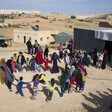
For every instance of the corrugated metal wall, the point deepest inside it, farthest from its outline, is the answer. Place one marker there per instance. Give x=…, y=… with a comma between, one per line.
x=84, y=39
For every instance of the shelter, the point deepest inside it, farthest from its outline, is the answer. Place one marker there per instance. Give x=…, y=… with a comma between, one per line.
x=90, y=38
x=5, y=39
x=63, y=36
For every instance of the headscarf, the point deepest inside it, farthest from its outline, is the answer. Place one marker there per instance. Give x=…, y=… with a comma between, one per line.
x=54, y=55
x=40, y=49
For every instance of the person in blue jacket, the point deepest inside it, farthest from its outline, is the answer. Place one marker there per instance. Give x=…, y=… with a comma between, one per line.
x=20, y=85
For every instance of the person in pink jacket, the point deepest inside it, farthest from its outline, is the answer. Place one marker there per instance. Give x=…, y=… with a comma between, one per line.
x=13, y=64
x=40, y=51
x=61, y=51
x=38, y=60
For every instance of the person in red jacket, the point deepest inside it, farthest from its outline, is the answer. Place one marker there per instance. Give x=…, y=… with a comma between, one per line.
x=72, y=81
x=38, y=60
x=46, y=61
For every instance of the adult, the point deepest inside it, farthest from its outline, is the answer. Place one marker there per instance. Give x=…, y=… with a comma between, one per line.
x=20, y=60
x=54, y=58
x=72, y=41
x=67, y=60
x=46, y=51
x=78, y=80
x=40, y=51
x=104, y=59
x=63, y=82
x=38, y=60
x=61, y=51
x=9, y=77
x=29, y=45
x=2, y=70
x=70, y=47
x=36, y=45
x=95, y=56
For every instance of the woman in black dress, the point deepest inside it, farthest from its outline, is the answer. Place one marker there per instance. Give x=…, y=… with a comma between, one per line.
x=46, y=51
x=95, y=56
x=104, y=59
x=54, y=58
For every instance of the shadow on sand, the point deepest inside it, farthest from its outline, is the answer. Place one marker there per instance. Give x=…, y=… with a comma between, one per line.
x=102, y=101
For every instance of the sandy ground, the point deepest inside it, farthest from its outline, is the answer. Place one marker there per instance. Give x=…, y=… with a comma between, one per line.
x=95, y=98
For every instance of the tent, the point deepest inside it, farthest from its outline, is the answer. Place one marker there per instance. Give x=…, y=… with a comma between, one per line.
x=93, y=37
x=63, y=36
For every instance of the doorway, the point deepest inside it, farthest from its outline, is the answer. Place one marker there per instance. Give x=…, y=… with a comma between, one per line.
x=24, y=39
x=108, y=47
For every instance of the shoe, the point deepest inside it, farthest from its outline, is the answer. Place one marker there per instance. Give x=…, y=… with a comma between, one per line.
x=31, y=98
x=10, y=90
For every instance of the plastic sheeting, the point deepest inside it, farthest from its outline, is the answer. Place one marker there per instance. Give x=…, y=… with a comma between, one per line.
x=62, y=37
x=104, y=35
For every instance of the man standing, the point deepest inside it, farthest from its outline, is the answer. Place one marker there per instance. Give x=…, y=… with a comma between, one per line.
x=36, y=46
x=29, y=45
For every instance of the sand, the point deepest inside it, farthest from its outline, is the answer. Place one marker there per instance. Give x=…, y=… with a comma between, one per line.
x=95, y=98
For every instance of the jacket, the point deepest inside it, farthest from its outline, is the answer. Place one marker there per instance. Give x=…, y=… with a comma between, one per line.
x=22, y=59
x=51, y=88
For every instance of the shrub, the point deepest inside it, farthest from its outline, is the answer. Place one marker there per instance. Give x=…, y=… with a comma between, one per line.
x=73, y=17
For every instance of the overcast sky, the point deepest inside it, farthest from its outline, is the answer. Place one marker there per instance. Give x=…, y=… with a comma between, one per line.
x=59, y=6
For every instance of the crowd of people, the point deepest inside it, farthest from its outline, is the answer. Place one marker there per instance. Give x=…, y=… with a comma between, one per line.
x=72, y=77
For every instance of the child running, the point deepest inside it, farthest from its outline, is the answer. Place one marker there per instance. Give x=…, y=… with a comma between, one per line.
x=35, y=81
x=20, y=85
x=51, y=88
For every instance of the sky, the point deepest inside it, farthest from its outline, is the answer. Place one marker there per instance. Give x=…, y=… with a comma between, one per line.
x=59, y=6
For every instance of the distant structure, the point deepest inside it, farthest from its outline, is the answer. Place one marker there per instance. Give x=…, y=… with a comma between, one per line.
x=4, y=39
x=44, y=37
x=18, y=12
x=88, y=38
x=63, y=36
x=105, y=24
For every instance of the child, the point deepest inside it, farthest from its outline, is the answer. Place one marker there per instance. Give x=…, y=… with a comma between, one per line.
x=84, y=75
x=13, y=63
x=32, y=63
x=20, y=85
x=42, y=78
x=72, y=81
x=15, y=59
x=46, y=61
x=51, y=88
x=35, y=81
x=27, y=64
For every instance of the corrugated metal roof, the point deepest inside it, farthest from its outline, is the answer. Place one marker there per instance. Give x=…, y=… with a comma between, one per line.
x=5, y=38
x=93, y=28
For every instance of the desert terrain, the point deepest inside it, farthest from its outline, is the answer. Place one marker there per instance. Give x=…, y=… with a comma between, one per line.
x=59, y=22
x=95, y=98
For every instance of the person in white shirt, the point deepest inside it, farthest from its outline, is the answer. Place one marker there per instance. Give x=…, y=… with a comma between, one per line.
x=67, y=60
x=100, y=59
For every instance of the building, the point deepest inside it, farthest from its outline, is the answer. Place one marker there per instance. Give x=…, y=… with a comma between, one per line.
x=63, y=36
x=44, y=37
x=90, y=38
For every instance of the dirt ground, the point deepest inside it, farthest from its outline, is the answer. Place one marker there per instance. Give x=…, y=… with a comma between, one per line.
x=95, y=98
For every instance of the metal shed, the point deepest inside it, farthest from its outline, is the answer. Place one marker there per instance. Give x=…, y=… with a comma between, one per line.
x=92, y=37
